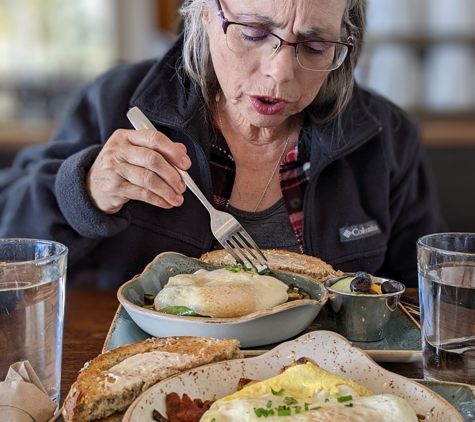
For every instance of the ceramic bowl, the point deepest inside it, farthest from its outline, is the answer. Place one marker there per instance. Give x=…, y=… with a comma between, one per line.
x=363, y=317
x=330, y=350
x=259, y=328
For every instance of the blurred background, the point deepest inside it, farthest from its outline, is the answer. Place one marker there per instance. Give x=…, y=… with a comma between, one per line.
x=420, y=54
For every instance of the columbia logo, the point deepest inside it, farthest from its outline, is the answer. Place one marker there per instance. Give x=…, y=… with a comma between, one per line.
x=359, y=231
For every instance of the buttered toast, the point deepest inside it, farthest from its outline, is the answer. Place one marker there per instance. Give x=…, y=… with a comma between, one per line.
x=282, y=260
x=108, y=384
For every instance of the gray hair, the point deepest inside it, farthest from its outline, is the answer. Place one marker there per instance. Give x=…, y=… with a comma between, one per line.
x=335, y=92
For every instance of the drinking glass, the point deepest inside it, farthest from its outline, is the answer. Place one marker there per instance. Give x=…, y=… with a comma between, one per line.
x=446, y=266
x=32, y=289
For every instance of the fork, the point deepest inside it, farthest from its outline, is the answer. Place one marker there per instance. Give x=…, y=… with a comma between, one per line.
x=411, y=306
x=226, y=229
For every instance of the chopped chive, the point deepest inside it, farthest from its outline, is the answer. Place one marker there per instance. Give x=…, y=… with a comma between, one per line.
x=343, y=399
x=349, y=405
x=263, y=412
x=290, y=400
x=327, y=400
x=316, y=408
x=298, y=409
x=259, y=412
x=269, y=404
x=283, y=411
x=277, y=393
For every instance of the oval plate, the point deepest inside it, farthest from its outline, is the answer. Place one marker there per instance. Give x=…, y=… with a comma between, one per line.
x=331, y=351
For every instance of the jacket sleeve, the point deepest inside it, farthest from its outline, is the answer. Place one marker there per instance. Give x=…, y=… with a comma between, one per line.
x=43, y=194
x=414, y=206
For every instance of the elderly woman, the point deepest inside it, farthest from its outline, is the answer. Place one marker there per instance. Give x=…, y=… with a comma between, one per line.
x=257, y=101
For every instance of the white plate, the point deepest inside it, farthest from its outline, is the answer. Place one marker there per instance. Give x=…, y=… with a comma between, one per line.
x=259, y=328
x=331, y=351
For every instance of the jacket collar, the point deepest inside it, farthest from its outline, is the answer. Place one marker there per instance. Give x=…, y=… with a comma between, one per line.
x=355, y=126
x=171, y=99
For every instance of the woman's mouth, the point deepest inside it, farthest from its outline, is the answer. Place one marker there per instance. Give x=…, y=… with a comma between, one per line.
x=267, y=106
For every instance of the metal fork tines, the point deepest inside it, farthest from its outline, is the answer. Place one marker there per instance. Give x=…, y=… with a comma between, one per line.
x=226, y=229
x=235, y=239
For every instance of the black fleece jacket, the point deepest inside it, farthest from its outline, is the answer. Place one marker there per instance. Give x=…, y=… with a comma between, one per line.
x=369, y=197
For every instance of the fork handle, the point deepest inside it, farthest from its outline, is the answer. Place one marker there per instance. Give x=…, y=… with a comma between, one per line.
x=140, y=121
x=190, y=183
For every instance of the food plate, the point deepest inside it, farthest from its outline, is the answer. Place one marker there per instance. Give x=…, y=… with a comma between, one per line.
x=461, y=396
x=267, y=326
x=330, y=350
x=403, y=343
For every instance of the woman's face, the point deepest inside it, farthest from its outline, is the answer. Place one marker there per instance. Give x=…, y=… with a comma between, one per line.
x=265, y=91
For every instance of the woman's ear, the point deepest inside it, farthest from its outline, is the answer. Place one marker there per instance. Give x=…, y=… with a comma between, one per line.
x=205, y=18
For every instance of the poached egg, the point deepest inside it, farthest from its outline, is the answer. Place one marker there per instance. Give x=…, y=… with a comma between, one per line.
x=222, y=293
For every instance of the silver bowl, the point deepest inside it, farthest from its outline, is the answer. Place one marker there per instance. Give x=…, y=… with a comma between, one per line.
x=363, y=317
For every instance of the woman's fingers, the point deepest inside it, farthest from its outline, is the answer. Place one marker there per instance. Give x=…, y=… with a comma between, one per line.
x=174, y=153
x=151, y=183
x=140, y=159
x=137, y=165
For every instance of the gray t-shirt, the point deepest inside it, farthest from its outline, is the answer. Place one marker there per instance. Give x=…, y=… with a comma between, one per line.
x=270, y=229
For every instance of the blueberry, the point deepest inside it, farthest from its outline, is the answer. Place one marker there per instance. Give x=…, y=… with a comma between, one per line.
x=360, y=284
x=389, y=286
x=364, y=275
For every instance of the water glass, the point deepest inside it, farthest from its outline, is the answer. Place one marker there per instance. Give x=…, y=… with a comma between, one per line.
x=446, y=266
x=32, y=289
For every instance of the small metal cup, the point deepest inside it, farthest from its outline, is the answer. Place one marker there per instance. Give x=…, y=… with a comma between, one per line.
x=362, y=317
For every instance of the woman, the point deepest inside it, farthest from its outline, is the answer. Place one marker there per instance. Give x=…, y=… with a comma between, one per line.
x=257, y=101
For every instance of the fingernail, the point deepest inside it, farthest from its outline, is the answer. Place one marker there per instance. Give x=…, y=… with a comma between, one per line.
x=179, y=200
x=186, y=162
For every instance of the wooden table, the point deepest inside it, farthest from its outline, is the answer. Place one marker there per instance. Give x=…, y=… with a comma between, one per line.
x=89, y=314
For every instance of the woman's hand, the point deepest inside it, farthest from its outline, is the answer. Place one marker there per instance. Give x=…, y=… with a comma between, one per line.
x=136, y=165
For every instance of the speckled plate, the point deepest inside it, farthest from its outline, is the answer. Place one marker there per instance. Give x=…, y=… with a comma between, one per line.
x=461, y=396
x=331, y=351
x=259, y=328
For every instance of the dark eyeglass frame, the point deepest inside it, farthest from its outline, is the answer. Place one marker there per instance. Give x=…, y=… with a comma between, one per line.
x=225, y=23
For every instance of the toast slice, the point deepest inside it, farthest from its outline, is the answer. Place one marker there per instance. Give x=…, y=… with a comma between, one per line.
x=109, y=383
x=282, y=260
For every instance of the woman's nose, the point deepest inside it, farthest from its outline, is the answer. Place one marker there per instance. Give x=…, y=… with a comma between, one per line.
x=281, y=65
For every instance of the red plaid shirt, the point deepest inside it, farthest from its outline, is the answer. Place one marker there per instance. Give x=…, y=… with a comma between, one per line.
x=293, y=174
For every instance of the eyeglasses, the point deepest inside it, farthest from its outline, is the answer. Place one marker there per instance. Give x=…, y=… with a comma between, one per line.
x=257, y=43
